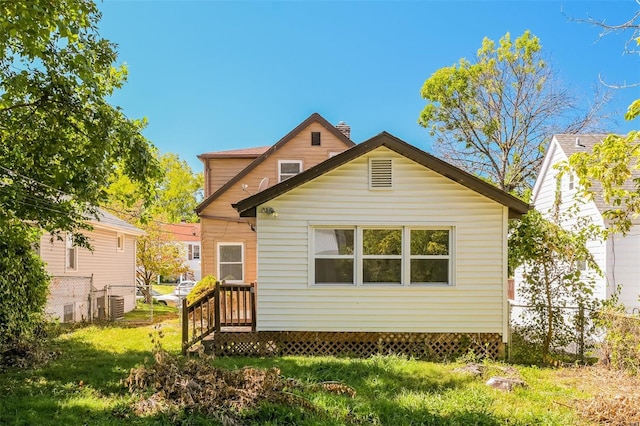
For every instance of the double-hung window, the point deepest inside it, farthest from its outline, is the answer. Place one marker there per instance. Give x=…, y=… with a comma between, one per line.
x=334, y=259
x=430, y=256
x=288, y=169
x=231, y=262
x=71, y=262
x=193, y=251
x=379, y=255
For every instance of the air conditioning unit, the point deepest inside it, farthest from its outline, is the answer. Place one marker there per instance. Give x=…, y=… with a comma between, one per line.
x=116, y=305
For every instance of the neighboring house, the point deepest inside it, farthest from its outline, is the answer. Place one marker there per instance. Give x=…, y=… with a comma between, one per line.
x=618, y=256
x=88, y=284
x=228, y=241
x=382, y=238
x=188, y=234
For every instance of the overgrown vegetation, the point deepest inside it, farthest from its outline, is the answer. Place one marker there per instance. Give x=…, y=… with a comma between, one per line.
x=203, y=286
x=84, y=383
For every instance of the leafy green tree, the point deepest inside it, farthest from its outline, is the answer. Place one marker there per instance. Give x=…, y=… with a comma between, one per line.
x=158, y=254
x=549, y=256
x=180, y=191
x=173, y=196
x=59, y=137
x=493, y=116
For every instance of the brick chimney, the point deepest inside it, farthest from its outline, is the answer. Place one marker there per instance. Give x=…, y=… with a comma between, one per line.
x=345, y=129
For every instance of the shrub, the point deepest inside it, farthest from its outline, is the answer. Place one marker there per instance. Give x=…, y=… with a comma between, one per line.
x=621, y=346
x=23, y=283
x=203, y=286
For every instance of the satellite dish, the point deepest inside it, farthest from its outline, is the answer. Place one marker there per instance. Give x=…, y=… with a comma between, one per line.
x=264, y=184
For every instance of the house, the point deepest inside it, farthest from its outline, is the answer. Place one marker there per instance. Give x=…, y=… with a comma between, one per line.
x=380, y=248
x=228, y=240
x=98, y=283
x=617, y=257
x=188, y=235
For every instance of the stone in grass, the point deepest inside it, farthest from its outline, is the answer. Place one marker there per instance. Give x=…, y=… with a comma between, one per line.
x=504, y=383
x=471, y=368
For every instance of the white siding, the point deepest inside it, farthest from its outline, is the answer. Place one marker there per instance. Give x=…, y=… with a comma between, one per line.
x=544, y=199
x=623, y=267
x=287, y=301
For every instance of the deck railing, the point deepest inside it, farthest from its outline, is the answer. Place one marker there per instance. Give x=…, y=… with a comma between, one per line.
x=227, y=305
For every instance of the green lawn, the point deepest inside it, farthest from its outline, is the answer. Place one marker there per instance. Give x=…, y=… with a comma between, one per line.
x=83, y=386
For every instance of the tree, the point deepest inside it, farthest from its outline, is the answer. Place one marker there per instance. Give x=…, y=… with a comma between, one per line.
x=180, y=191
x=173, y=197
x=614, y=163
x=494, y=116
x=549, y=256
x=157, y=254
x=59, y=138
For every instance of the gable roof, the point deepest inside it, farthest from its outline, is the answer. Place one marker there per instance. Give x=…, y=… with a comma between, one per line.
x=517, y=207
x=236, y=153
x=567, y=142
x=313, y=118
x=108, y=221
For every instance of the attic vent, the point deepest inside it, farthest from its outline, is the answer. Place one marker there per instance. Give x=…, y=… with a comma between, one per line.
x=380, y=173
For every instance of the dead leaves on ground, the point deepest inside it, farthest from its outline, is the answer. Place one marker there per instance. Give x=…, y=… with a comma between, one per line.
x=196, y=385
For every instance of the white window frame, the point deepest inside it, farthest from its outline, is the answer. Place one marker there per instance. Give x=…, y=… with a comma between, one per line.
x=313, y=256
x=571, y=181
x=448, y=257
x=288, y=175
x=70, y=254
x=119, y=242
x=242, y=261
x=406, y=255
x=191, y=251
x=362, y=257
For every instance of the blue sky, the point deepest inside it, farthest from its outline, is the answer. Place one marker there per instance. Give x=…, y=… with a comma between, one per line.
x=213, y=75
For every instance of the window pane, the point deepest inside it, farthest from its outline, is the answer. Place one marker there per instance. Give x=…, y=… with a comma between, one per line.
x=289, y=168
x=231, y=253
x=231, y=272
x=429, y=270
x=382, y=241
x=429, y=241
x=334, y=241
x=196, y=252
x=334, y=271
x=381, y=270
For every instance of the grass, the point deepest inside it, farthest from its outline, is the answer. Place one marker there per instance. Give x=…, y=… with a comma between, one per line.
x=142, y=312
x=164, y=288
x=83, y=386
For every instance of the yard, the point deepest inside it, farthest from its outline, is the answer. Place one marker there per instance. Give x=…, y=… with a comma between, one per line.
x=83, y=384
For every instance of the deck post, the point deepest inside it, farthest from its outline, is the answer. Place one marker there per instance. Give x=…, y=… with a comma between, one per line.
x=252, y=298
x=216, y=304
x=185, y=326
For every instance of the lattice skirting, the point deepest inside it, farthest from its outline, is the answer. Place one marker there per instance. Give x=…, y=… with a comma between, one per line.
x=434, y=346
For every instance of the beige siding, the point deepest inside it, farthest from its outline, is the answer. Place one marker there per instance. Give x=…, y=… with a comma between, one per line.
x=229, y=230
x=221, y=170
x=108, y=265
x=287, y=301
x=217, y=231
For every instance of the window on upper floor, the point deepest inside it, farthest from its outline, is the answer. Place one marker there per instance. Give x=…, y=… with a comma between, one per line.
x=571, y=181
x=120, y=242
x=315, y=138
x=193, y=251
x=71, y=254
x=288, y=169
